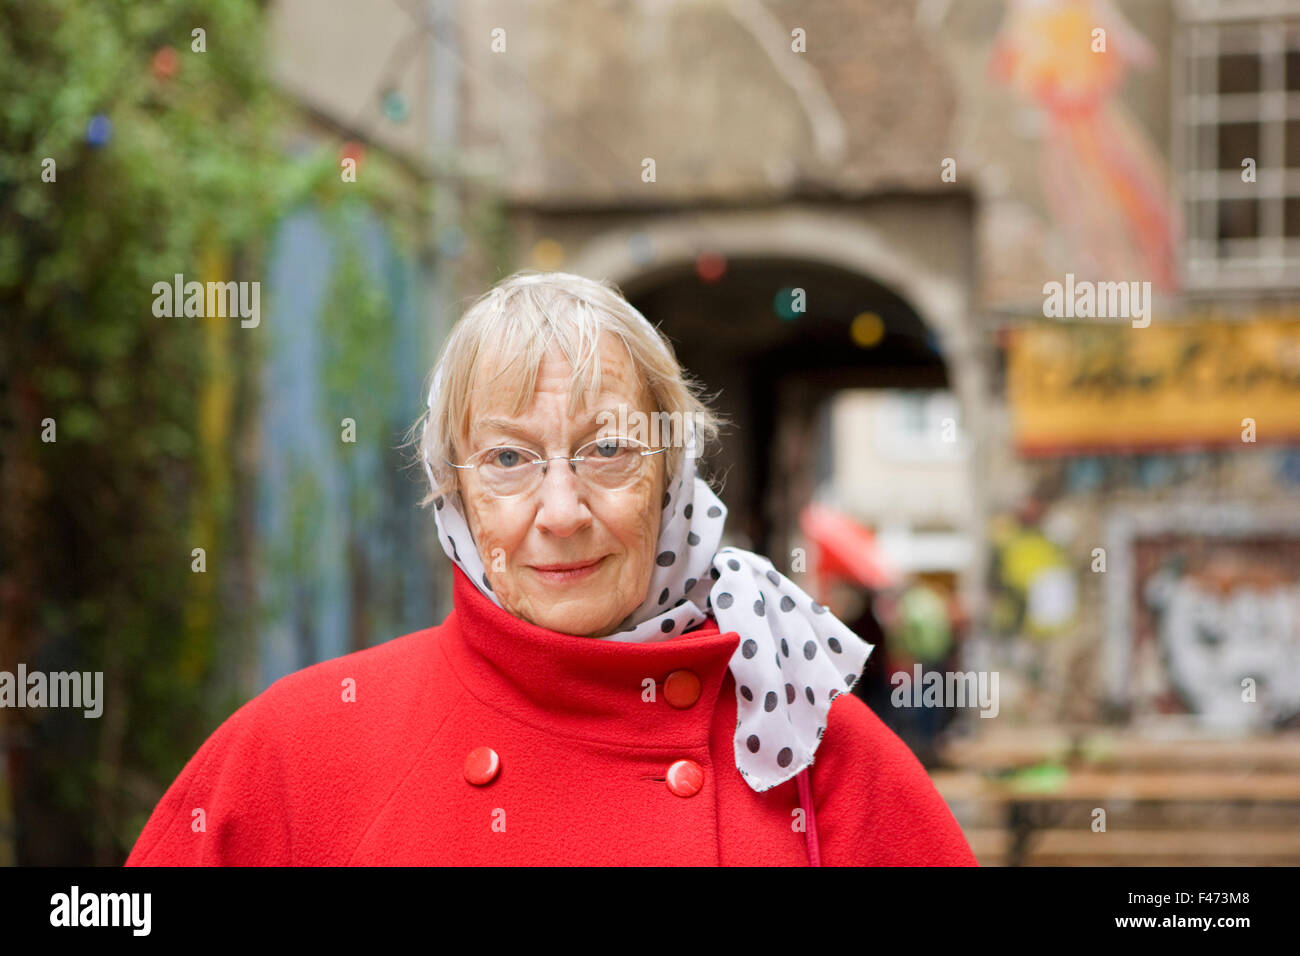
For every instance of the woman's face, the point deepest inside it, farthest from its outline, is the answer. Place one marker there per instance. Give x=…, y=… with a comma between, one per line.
x=564, y=521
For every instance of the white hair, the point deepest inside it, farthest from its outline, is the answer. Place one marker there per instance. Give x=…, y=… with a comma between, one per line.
x=517, y=322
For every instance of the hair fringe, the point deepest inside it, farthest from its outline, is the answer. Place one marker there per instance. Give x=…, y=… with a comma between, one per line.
x=553, y=308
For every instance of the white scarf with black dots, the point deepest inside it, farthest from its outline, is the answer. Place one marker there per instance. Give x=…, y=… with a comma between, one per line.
x=794, y=657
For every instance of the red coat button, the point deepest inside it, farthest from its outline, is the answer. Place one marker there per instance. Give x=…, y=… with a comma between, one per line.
x=682, y=689
x=685, y=778
x=482, y=766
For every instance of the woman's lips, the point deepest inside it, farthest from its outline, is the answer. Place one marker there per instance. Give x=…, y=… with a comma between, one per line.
x=564, y=573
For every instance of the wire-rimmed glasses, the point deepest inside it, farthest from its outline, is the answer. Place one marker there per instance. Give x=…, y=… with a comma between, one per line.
x=610, y=464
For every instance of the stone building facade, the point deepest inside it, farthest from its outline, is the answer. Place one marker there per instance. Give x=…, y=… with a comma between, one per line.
x=936, y=165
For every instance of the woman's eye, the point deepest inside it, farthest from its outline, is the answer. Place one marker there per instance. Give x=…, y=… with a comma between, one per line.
x=610, y=449
x=505, y=457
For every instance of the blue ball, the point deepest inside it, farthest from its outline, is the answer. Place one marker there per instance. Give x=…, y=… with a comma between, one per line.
x=99, y=130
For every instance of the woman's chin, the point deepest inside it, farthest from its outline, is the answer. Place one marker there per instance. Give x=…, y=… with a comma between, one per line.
x=572, y=616
x=579, y=623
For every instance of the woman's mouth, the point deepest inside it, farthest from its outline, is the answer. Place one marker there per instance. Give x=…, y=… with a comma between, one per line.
x=565, y=573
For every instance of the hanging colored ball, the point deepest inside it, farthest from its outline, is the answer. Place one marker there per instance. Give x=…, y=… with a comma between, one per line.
x=547, y=255
x=99, y=130
x=783, y=304
x=166, y=63
x=710, y=266
x=354, y=151
x=867, y=329
x=395, y=106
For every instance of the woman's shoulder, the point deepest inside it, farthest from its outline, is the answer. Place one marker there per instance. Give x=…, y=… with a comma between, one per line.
x=389, y=671
x=858, y=740
x=856, y=736
x=316, y=752
x=344, y=703
x=855, y=719
x=877, y=791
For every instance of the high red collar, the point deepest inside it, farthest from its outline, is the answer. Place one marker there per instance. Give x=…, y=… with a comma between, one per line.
x=582, y=686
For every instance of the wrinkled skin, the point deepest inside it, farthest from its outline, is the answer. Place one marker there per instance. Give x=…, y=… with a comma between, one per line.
x=564, y=521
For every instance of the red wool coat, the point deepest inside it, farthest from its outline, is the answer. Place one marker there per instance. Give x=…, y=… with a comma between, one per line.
x=305, y=775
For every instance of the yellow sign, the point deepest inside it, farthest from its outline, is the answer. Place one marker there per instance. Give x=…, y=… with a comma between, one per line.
x=1077, y=388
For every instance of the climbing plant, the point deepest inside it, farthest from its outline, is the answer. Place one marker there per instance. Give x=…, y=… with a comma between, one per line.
x=140, y=141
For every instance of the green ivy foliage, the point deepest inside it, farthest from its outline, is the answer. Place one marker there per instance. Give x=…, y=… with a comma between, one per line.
x=96, y=564
x=97, y=527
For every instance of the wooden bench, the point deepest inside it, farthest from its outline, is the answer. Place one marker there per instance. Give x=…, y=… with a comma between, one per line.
x=1099, y=788
x=1175, y=847
x=1098, y=748
x=1027, y=798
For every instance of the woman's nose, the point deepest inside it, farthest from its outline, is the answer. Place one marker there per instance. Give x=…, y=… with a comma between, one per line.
x=562, y=508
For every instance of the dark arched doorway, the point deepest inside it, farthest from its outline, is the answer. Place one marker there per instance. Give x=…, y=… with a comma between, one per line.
x=774, y=371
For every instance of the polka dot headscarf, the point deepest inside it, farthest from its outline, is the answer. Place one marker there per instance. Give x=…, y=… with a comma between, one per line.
x=794, y=656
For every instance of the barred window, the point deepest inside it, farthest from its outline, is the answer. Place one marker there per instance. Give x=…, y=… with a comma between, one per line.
x=1237, y=141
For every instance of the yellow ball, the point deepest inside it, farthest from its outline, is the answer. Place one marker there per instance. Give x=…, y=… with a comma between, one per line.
x=867, y=329
x=547, y=255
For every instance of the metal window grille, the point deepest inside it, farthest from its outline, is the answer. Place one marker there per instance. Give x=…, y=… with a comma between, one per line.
x=1236, y=89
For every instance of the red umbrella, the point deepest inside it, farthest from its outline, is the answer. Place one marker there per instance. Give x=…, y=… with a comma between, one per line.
x=845, y=549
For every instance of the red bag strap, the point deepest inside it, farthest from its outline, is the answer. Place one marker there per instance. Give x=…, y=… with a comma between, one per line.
x=804, y=783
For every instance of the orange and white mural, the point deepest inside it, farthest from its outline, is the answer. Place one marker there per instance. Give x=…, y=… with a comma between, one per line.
x=1103, y=179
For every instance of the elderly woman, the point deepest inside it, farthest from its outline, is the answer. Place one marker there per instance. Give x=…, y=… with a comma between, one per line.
x=612, y=687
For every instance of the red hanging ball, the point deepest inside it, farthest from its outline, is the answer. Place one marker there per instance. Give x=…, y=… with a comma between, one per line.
x=710, y=266
x=166, y=63
x=354, y=151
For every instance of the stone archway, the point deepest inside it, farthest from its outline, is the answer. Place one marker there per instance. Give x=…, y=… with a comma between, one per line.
x=880, y=246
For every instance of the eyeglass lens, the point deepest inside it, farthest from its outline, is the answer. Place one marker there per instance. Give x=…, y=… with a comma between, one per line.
x=608, y=463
